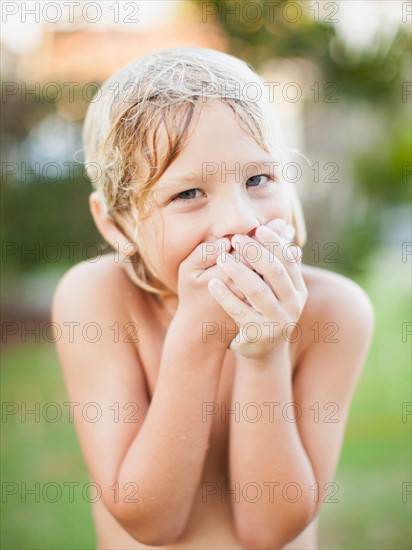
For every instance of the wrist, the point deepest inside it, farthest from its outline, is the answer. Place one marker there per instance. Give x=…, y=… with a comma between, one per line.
x=201, y=334
x=279, y=355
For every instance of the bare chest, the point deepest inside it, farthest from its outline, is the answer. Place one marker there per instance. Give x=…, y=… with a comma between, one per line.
x=210, y=524
x=221, y=410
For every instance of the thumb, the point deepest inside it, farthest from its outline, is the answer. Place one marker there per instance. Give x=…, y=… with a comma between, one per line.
x=206, y=253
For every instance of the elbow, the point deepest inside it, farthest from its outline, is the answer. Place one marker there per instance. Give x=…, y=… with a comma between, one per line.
x=280, y=530
x=153, y=535
x=153, y=529
x=155, y=538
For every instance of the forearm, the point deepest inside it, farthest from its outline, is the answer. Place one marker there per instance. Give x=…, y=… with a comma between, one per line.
x=267, y=452
x=166, y=458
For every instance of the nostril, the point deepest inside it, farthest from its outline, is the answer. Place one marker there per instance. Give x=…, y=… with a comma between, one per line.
x=250, y=234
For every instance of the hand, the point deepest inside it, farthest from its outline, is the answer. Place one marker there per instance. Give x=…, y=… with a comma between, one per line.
x=271, y=280
x=279, y=227
x=196, y=309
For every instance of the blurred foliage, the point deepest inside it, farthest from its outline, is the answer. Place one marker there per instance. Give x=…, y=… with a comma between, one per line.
x=42, y=211
x=384, y=169
x=43, y=214
x=299, y=29
x=50, y=219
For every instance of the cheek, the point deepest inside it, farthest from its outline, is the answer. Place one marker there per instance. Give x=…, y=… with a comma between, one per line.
x=179, y=242
x=285, y=200
x=279, y=207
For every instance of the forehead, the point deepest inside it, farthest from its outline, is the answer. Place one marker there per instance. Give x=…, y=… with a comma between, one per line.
x=216, y=135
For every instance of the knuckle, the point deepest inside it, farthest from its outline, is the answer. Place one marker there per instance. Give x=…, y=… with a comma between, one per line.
x=276, y=270
x=259, y=291
x=237, y=312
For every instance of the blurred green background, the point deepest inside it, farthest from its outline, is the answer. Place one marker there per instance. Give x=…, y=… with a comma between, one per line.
x=363, y=128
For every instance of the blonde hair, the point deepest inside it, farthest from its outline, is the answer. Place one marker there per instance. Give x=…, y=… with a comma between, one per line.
x=166, y=89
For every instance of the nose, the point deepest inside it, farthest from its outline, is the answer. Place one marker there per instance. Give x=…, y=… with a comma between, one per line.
x=238, y=218
x=249, y=234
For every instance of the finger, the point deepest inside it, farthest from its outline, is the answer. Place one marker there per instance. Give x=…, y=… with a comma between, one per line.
x=290, y=255
x=256, y=290
x=213, y=270
x=230, y=284
x=281, y=228
x=283, y=234
x=286, y=234
x=267, y=264
x=239, y=258
x=206, y=253
x=238, y=310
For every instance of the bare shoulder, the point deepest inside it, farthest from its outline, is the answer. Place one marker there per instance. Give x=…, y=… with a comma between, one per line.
x=328, y=290
x=336, y=299
x=99, y=286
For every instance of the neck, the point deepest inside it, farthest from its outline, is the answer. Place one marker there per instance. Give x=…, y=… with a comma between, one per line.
x=167, y=303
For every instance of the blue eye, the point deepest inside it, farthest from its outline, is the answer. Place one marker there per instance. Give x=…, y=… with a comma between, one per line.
x=185, y=196
x=190, y=194
x=256, y=183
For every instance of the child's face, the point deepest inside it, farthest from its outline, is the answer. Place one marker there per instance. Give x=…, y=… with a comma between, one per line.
x=225, y=198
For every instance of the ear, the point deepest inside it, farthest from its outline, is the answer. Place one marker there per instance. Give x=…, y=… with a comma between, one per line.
x=108, y=229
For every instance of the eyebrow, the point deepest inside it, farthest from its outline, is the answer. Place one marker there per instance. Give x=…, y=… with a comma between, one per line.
x=192, y=177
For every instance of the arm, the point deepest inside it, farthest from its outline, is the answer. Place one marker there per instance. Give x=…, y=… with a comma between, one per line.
x=166, y=459
x=269, y=454
x=282, y=452
x=306, y=451
x=160, y=450
x=328, y=375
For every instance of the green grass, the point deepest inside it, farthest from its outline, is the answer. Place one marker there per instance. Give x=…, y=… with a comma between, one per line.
x=374, y=463
x=43, y=452
x=376, y=456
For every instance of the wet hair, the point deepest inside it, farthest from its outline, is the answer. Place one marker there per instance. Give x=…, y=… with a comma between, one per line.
x=164, y=91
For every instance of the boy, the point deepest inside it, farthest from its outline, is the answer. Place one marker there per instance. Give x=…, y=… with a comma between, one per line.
x=208, y=437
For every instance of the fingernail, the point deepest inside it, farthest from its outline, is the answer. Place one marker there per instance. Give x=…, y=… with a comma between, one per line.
x=279, y=223
x=238, y=238
x=263, y=232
